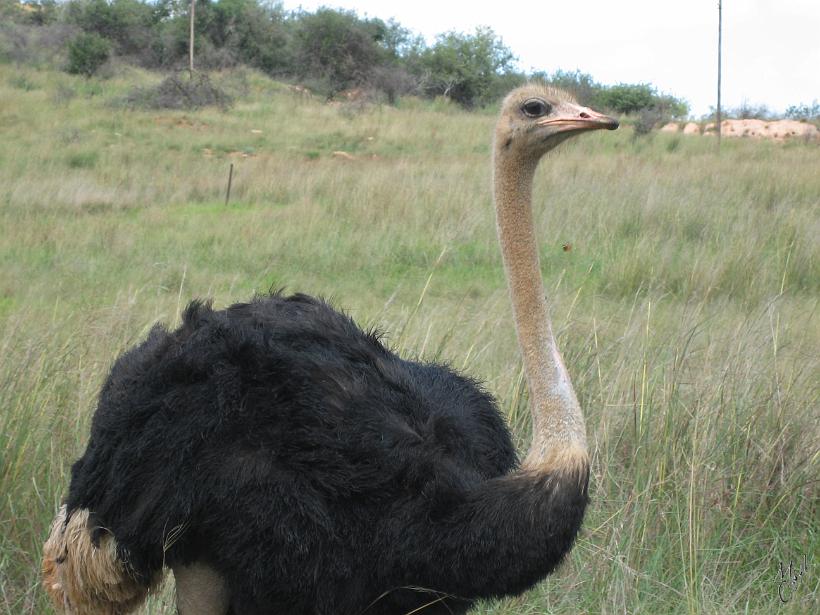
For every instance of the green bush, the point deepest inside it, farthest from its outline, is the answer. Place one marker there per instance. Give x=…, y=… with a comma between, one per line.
x=127, y=24
x=631, y=98
x=87, y=53
x=627, y=98
x=466, y=67
x=669, y=106
x=581, y=85
x=254, y=32
x=337, y=48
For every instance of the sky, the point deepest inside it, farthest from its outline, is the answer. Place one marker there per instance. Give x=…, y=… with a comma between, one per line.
x=771, y=48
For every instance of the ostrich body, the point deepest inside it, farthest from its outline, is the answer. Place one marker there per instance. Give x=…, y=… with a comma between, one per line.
x=281, y=460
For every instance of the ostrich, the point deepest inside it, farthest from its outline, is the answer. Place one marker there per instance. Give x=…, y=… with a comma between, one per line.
x=280, y=460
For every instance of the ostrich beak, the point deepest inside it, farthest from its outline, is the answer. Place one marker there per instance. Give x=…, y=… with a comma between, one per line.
x=575, y=118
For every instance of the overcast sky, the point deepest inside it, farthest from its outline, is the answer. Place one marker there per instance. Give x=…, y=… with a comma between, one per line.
x=771, y=48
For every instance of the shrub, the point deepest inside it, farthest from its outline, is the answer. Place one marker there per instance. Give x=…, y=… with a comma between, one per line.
x=671, y=107
x=749, y=111
x=82, y=160
x=337, y=48
x=87, y=53
x=622, y=98
x=253, y=32
x=804, y=111
x=35, y=45
x=127, y=24
x=646, y=120
x=581, y=85
x=465, y=67
x=63, y=94
x=394, y=81
x=179, y=92
x=636, y=97
x=22, y=82
x=626, y=98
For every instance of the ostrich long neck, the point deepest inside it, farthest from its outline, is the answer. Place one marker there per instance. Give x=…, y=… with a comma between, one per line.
x=558, y=438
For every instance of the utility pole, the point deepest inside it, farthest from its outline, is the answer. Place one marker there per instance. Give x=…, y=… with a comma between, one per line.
x=720, y=43
x=191, y=43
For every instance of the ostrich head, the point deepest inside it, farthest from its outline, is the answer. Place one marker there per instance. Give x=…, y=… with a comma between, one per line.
x=535, y=118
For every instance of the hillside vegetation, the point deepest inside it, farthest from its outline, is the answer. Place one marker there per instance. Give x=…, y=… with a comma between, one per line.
x=330, y=50
x=684, y=284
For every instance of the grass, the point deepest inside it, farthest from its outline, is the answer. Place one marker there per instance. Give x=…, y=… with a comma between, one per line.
x=687, y=307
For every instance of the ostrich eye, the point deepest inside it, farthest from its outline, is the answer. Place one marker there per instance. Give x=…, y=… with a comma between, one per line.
x=535, y=108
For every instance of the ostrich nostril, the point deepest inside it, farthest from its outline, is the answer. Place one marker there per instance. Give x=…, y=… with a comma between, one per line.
x=584, y=115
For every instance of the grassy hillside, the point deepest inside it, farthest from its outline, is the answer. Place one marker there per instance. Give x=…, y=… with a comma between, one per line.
x=686, y=305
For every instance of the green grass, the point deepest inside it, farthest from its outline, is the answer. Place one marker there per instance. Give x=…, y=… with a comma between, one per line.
x=687, y=307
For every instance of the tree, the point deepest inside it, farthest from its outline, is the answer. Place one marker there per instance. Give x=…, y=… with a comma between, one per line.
x=254, y=33
x=127, y=24
x=464, y=67
x=337, y=48
x=395, y=39
x=671, y=107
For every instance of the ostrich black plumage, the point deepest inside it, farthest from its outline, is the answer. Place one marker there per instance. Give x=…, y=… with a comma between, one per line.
x=298, y=466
